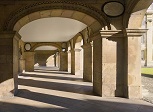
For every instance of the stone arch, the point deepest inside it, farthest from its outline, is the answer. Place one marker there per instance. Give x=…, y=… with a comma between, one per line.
x=78, y=38
x=78, y=42
x=46, y=44
x=96, y=19
x=69, y=45
x=135, y=13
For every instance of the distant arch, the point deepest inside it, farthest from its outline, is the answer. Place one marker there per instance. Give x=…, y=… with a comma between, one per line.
x=94, y=18
x=46, y=44
x=135, y=13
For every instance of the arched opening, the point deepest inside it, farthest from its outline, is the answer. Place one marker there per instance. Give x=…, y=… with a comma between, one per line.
x=147, y=54
x=67, y=18
x=45, y=56
x=138, y=21
x=78, y=55
x=71, y=26
x=69, y=57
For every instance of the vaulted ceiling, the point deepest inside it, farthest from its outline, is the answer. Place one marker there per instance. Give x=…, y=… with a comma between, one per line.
x=54, y=29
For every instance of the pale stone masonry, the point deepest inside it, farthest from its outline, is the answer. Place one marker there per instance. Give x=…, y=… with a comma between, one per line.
x=112, y=63
x=147, y=39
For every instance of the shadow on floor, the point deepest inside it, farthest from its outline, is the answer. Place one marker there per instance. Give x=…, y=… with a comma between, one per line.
x=65, y=104
x=46, y=68
x=67, y=87
x=60, y=72
x=147, y=75
x=52, y=77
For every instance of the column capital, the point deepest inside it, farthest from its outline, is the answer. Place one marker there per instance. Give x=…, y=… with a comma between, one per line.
x=94, y=36
x=29, y=52
x=63, y=52
x=75, y=50
x=10, y=34
x=72, y=50
x=135, y=32
x=111, y=33
x=107, y=34
x=86, y=45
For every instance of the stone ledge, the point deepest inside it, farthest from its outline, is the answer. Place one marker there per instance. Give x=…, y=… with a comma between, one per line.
x=111, y=33
x=10, y=34
x=86, y=45
x=135, y=32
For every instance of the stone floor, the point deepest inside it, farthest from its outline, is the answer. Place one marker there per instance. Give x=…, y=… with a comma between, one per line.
x=50, y=90
x=147, y=85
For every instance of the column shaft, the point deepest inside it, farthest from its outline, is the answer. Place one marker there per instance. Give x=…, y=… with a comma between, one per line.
x=63, y=61
x=133, y=63
x=77, y=61
x=69, y=61
x=97, y=66
x=29, y=61
x=55, y=60
x=22, y=65
x=87, y=62
x=72, y=62
x=108, y=64
x=9, y=63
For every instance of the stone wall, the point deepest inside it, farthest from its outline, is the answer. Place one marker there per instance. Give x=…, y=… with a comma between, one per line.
x=9, y=64
x=44, y=58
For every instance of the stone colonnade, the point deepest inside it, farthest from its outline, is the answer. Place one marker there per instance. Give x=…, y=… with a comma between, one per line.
x=116, y=63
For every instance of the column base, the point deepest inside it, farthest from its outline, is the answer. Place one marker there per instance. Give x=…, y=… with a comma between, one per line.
x=7, y=89
x=134, y=92
x=87, y=78
x=97, y=89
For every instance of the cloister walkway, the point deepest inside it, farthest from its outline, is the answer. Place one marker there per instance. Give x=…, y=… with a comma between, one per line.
x=50, y=90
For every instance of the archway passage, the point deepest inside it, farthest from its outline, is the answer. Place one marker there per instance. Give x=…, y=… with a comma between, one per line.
x=52, y=28
x=45, y=56
x=75, y=15
x=116, y=61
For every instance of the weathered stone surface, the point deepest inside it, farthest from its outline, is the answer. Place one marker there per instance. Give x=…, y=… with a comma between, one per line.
x=29, y=61
x=22, y=65
x=97, y=66
x=44, y=57
x=87, y=62
x=7, y=88
x=63, y=61
x=72, y=62
x=9, y=67
x=133, y=65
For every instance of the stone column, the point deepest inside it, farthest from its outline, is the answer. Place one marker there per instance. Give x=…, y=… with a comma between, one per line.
x=87, y=62
x=9, y=63
x=72, y=61
x=77, y=61
x=29, y=61
x=63, y=61
x=97, y=65
x=22, y=65
x=69, y=61
x=149, y=42
x=55, y=60
x=108, y=63
x=81, y=62
x=21, y=57
x=133, y=63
